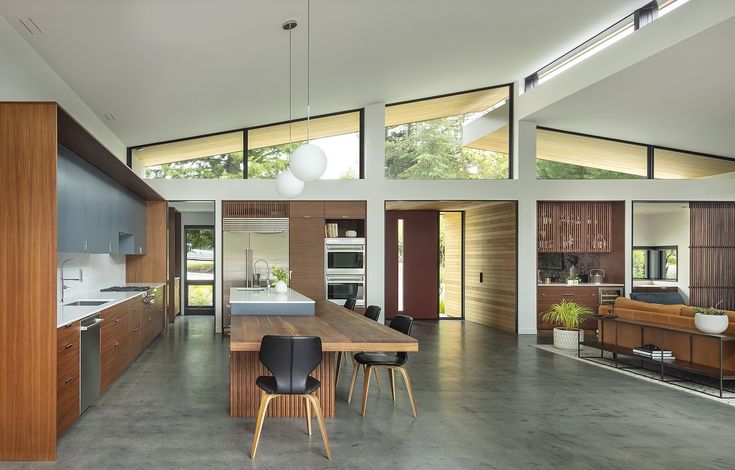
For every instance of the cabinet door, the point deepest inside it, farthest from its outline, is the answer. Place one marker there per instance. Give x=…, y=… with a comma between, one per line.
x=306, y=209
x=113, y=351
x=67, y=376
x=344, y=209
x=139, y=225
x=72, y=236
x=306, y=256
x=95, y=202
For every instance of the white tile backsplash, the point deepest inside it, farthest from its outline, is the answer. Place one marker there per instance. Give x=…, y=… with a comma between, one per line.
x=100, y=271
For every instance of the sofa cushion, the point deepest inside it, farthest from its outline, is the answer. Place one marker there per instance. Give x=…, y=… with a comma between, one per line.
x=623, y=302
x=664, y=298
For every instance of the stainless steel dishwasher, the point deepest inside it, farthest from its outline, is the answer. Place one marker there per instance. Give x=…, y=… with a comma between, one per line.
x=90, y=370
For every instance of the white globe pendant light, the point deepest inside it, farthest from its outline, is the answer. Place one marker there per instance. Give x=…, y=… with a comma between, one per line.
x=288, y=185
x=308, y=162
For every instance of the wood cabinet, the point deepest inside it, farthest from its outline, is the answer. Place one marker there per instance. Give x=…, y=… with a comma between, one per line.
x=306, y=256
x=134, y=329
x=582, y=295
x=583, y=227
x=113, y=346
x=153, y=317
x=306, y=209
x=67, y=376
x=344, y=209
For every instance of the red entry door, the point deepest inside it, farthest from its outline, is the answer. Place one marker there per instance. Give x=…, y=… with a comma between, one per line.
x=420, y=267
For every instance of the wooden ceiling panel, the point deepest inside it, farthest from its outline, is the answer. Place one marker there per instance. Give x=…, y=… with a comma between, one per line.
x=440, y=205
x=669, y=164
x=338, y=124
x=453, y=105
x=190, y=149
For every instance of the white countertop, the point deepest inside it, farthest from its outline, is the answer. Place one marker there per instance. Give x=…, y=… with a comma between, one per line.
x=67, y=314
x=240, y=295
x=581, y=284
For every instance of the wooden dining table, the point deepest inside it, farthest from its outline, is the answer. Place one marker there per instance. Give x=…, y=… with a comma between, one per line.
x=340, y=330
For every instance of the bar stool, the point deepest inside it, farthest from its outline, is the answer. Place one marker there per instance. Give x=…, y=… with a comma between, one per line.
x=290, y=359
x=392, y=362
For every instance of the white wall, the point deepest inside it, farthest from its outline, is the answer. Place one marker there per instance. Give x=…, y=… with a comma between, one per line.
x=666, y=229
x=25, y=76
x=99, y=271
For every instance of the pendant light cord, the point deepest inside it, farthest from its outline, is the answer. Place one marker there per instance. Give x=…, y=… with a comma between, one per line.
x=308, y=71
x=290, y=121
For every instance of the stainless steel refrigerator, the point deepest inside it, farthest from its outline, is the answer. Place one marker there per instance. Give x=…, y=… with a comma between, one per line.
x=244, y=242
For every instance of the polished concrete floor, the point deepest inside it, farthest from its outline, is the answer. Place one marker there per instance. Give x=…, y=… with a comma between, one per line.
x=486, y=399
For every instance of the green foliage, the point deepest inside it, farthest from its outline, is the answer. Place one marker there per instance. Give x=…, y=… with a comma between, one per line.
x=269, y=162
x=639, y=264
x=566, y=314
x=227, y=165
x=550, y=170
x=200, y=239
x=433, y=149
x=200, y=296
x=441, y=305
x=280, y=273
x=199, y=266
x=709, y=311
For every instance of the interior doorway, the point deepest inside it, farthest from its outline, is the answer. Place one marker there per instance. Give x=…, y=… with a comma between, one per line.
x=452, y=260
x=200, y=268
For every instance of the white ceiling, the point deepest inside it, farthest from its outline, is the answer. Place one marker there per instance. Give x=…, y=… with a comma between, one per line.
x=173, y=68
x=682, y=97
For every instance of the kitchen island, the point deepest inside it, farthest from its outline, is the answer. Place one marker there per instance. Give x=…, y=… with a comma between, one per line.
x=261, y=301
x=341, y=330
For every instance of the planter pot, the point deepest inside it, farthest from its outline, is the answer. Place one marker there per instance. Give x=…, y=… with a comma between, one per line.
x=567, y=339
x=714, y=324
x=281, y=287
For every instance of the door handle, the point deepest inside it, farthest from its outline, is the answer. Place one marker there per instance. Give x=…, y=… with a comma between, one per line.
x=68, y=345
x=68, y=380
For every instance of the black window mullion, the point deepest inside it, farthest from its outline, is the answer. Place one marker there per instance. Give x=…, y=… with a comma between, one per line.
x=245, y=154
x=649, y=161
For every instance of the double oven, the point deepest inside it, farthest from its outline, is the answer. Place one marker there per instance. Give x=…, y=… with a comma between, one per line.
x=344, y=265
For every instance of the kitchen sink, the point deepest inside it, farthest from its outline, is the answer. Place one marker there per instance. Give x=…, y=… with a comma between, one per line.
x=87, y=303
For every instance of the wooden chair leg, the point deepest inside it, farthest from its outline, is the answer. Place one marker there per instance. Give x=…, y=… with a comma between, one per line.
x=355, y=370
x=377, y=378
x=409, y=387
x=339, y=366
x=392, y=378
x=308, y=416
x=322, y=426
x=365, y=388
x=264, y=400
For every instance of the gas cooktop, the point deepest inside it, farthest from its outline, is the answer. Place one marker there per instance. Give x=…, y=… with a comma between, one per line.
x=125, y=289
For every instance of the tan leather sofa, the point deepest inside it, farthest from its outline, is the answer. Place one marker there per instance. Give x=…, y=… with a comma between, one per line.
x=704, y=350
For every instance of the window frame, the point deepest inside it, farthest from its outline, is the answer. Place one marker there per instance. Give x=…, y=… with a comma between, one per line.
x=662, y=263
x=511, y=127
x=244, y=131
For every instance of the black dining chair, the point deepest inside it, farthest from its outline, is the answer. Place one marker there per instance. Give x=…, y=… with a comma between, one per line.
x=373, y=313
x=350, y=303
x=290, y=359
x=392, y=362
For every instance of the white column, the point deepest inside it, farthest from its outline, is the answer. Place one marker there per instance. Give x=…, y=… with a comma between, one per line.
x=526, y=165
x=218, y=307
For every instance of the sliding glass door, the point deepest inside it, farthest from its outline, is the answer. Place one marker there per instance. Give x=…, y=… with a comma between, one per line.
x=199, y=276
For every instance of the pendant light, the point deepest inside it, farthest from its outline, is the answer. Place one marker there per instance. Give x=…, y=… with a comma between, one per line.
x=287, y=184
x=308, y=162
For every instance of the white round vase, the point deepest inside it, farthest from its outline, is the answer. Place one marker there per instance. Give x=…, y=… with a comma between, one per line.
x=281, y=287
x=567, y=339
x=713, y=324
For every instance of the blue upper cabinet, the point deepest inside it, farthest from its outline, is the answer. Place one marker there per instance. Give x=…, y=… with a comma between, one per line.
x=95, y=215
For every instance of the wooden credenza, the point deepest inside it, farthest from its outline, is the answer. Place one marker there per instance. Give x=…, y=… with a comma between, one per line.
x=581, y=295
x=584, y=227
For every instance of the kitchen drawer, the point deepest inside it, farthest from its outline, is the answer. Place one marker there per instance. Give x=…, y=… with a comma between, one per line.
x=113, y=352
x=135, y=304
x=67, y=360
x=135, y=335
x=152, y=321
x=67, y=334
x=344, y=209
x=113, y=314
x=67, y=402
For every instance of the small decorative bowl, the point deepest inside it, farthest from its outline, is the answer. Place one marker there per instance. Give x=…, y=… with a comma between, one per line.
x=350, y=234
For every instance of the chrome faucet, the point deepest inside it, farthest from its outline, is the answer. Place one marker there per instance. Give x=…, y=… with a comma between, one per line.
x=268, y=269
x=79, y=278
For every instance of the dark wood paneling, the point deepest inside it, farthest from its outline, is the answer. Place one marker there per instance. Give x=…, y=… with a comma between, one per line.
x=306, y=209
x=152, y=266
x=575, y=226
x=582, y=295
x=73, y=136
x=712, y=262
x=257, y=209
x=344, y=209
x=306, y=256
x=490, y=249
x=420, y=264
x=28, y=221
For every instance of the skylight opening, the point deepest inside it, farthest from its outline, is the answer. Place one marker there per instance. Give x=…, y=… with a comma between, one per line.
x=622, y=29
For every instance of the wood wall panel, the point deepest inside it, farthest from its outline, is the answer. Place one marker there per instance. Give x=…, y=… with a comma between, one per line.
x=453, y=263
x=28, y=221
x=245, y=395
x=254, y=209
x=712, y=255
x=490, y=248
x=152, y=266
x=306, y=256
x=574, y=226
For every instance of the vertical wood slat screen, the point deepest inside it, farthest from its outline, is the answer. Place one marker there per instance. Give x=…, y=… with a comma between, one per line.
x=574, y=226
x=712, y=251
x=254, y=209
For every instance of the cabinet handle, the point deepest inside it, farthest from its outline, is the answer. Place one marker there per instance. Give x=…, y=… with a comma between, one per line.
x=117, y=319
x=109, y=247
x=150, y=318
x=117, y=344
x=68, y=380
x=85, y=246
x=68, y=345
x=69, y=325
x=135, y=330
x=568, y=295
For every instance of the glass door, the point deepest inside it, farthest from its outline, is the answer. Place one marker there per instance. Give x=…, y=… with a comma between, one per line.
x=199, y=275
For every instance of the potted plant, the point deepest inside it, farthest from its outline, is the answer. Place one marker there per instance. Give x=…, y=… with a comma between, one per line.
x=281, y=276
x=568, y=315
x=710, y=319
x=573, y=280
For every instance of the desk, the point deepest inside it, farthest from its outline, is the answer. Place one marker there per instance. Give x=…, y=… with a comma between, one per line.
x=341, y=330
